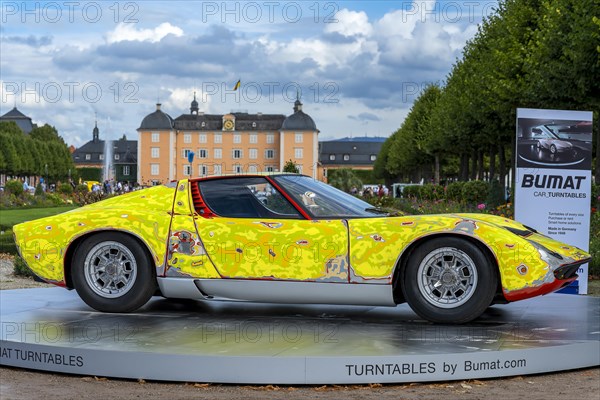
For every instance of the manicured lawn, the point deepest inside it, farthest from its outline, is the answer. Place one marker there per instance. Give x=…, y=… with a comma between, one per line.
x=10, y=217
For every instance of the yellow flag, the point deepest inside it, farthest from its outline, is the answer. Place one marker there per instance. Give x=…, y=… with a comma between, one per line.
x=237, y=85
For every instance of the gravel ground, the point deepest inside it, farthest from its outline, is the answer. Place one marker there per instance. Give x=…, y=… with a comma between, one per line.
x=8, y=280
x=16, y=383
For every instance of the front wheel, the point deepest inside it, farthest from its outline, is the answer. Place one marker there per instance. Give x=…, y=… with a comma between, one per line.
x=449, y=280
x=112, y=272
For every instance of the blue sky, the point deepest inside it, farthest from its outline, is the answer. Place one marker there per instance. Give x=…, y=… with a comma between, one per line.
x=358, y=64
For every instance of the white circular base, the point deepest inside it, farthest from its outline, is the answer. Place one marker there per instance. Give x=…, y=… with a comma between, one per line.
x=225, y=342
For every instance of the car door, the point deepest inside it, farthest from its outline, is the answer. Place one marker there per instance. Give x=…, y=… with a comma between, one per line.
x=253, y=232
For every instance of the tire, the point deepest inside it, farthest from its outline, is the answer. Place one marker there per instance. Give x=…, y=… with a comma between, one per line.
x=553, y=149
x=125, y=259
x=449, y=280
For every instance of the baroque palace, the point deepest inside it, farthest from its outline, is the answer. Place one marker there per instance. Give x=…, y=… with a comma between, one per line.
x=233, y=143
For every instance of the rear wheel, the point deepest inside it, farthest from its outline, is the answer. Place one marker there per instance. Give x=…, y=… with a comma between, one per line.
x=112, y=272
x=449, y=280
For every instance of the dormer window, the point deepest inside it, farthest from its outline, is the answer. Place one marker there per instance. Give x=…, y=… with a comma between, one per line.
x=203, y=124
x=117, y=156
x=254, y=124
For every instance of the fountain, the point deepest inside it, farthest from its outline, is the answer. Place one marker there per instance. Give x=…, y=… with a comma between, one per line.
x=108, y=156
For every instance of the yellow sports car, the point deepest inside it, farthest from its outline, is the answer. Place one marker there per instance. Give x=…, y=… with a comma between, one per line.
x=287, y=238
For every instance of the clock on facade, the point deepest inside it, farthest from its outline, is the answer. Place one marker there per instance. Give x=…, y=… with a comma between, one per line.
x=228, y=125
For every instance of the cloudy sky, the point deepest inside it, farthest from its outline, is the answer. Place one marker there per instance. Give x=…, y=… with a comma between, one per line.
x=358, y=65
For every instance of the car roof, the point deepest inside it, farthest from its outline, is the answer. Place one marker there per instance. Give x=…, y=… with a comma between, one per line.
x=254, y=174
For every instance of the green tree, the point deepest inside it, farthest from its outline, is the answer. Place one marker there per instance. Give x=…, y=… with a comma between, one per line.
x=43, y=152
x=291, y=167
x=344, y=179
x=46, y=133
x=408, y=150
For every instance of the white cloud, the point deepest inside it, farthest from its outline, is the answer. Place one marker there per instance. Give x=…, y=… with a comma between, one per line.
x=396, y=23
x=368, y=58
x=350, y=23
x=323, y=52
x=180, y=98
x=128, y=32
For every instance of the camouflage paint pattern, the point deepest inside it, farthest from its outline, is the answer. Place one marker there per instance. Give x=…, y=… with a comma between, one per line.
x=186, y=255
x=277, y=248
x=145, y=214
x=377, y=243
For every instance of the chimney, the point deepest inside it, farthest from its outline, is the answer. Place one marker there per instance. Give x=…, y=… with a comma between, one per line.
x=157, y=106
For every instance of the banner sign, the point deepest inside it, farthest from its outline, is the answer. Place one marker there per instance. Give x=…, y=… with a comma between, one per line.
x=554, y=177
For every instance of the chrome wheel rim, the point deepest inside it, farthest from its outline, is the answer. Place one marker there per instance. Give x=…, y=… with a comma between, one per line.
x=110, y=269
x=447, y=277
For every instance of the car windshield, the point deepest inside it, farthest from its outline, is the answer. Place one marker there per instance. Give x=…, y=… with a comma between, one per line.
x=544, y=132
x=324, y=201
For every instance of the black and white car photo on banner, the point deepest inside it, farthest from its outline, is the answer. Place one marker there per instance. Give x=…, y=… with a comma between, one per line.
x=554, y=177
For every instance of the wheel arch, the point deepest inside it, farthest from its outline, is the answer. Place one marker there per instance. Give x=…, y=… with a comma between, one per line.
x=74, y=244
x=406, y=253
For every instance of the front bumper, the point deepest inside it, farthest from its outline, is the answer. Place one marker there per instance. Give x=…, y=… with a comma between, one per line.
x=564, y=275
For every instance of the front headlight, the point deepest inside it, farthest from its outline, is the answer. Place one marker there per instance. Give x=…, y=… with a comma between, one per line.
x=552, y=258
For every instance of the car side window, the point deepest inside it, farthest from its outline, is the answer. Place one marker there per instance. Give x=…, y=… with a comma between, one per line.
x=245, y=198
